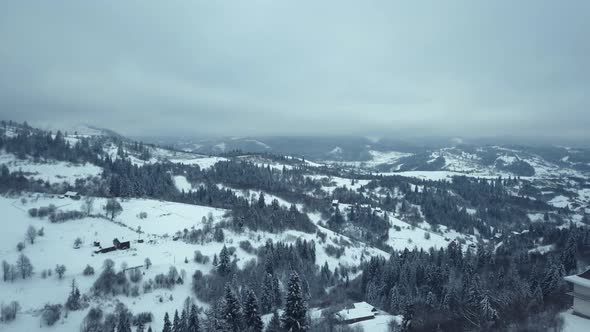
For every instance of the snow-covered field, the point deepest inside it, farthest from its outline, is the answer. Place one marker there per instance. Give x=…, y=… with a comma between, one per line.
x=336, y=182
x=52, y=171
x=203, y=163
x=57, y=247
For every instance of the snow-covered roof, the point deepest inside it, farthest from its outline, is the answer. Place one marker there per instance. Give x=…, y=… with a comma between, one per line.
x=335, y=201
x=582, y=279
x=71, y=193
x=358, y=310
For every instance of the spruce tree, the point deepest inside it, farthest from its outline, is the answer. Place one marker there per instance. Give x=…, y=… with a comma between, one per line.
x=267, y=296
x=176, y=322
x=251, y=315
x=224, y=264
x=193, y=320
x=182, y=326
x=167, y=325
x=294, y=318
x=231, y=311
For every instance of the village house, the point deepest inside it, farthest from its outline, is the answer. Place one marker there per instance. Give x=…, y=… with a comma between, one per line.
x=72, y=195
x=359, y=312
x=581, y=293
x=335, y=203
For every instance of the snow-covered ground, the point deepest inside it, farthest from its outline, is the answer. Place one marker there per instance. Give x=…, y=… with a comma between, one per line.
x=203, y=163
x=52, y=171
x=57, y=247
x=573, y=323
x=335, y=182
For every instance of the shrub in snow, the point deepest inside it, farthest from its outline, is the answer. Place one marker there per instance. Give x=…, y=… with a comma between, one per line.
x=33, y=212
x=135, y=291
x=88, y=270
x=93, y=321
x=199, y=257
x=322, y=236
x=24, y=266
x=143, y=215
x=334, y=251
x=148, y=263
x=51, y=314
x=41, y=231
x=247, y=246
x=20, y=246
x=112, y=208
x=147, y=286
x=77, y=243
x=135, y=275
x=61, y=216
x=427, y=235
x=8, y=312
x=218, y=235
x=60, y=270
x=45, y=211
x=109, y=282
x=31, y=234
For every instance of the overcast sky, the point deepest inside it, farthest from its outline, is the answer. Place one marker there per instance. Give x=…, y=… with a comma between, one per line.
x=464, y=68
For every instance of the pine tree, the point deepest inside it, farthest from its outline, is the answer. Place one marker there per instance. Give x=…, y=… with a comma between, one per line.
x=193, y=320
x=73, y=301
x=140, y=327
x=231, y=311
x=275, y=323
x=568, y=256
x=182, y=326
x=124, y=325
x=394, y=300
x=167, y=325
x=408, y=317
x=224, y=264
x=251, y=315
x=267, y=297
x=176, y=322
x=488, y=313
x=150, y=329
x=294, y=318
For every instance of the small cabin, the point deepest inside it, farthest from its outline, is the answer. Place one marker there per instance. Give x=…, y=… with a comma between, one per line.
x=335, y=203
x=121, y=245
x=581, y=293
x=378, y=210
x=359, y=312
x=72, y=195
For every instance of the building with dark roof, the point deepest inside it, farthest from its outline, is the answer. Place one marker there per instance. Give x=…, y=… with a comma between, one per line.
x=581, y=293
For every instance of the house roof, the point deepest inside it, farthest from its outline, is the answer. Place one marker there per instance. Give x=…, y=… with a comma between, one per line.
x=582, y=279
x=71, y=193
x=335, y=201
x=358, y=310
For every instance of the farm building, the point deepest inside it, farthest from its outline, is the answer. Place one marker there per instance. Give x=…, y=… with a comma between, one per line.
x=335, y=203
x=359, y=312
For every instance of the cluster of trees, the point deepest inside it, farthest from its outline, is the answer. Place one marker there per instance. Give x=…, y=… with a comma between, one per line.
x=121, y=320
x=272, y=218
x=238, y=309
x=23, y=268
x=446, y=202
x=453, y=290
x=44, y=144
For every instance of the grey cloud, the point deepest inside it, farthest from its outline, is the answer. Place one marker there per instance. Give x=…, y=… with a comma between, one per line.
x=276, y=67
